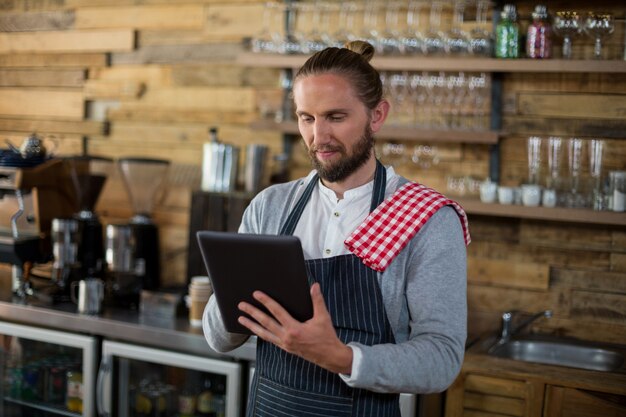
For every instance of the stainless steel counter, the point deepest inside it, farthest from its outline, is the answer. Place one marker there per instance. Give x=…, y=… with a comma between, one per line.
x=121, y=325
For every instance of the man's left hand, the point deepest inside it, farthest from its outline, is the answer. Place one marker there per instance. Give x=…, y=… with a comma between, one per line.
x=314, y=340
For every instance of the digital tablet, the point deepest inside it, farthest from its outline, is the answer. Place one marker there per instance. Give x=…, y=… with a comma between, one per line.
x=239, y=264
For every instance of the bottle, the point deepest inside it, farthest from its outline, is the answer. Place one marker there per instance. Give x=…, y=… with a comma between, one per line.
x=507, y=33
x=74, y=397
x=219, y=397
x=205, y=399
x=539, y=35
x=187, y=401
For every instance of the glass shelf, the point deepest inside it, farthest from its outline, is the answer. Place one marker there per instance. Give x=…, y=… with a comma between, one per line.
x=418, y=63
x=48, y=408
x=486, y=137
x=559, y=214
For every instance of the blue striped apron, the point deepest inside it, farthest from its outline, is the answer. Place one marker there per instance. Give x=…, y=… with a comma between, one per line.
x=287, y=385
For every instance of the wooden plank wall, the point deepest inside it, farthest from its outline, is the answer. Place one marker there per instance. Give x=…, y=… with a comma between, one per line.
x=148, y=78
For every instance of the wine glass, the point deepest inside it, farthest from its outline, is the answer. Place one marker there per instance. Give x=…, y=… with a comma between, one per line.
x=390, y=39
x=567, y=25
x=481, y=41
x=263, y=42
x=553, y=186
x=412, y=40
x=599, y=26
x=457, y=40
x=347, y=13
x=434, y=43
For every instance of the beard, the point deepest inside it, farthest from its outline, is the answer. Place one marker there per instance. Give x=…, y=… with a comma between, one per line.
x=347, y=164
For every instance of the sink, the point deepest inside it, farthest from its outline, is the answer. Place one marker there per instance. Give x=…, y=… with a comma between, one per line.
x=562, y=353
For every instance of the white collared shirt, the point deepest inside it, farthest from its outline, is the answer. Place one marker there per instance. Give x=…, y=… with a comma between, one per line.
x=327, y=221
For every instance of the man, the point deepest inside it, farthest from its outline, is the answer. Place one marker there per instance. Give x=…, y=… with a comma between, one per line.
x=386, y=259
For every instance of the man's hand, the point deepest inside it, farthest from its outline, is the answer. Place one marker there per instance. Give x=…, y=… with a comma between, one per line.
x=314, y=340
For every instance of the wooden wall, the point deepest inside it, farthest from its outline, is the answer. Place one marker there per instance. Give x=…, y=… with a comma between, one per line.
x=148, y=78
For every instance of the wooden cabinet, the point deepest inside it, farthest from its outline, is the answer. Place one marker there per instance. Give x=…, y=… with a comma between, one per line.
x=571, y=402
x=474, y=394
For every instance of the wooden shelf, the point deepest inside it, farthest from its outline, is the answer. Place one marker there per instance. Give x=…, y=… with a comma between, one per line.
x=420, y=63
x=559, y=214
x=401, y=133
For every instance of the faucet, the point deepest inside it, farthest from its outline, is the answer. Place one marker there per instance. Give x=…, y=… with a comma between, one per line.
x=507, y=324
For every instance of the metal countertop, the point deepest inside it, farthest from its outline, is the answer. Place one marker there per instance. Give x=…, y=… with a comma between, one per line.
x=122, y=325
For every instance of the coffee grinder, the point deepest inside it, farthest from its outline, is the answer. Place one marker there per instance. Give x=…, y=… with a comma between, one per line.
x=132, y=250
x=78, y=241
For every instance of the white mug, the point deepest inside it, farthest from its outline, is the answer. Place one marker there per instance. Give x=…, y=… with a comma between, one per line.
x=488, y=191
x=531, y=195
x=505, y=195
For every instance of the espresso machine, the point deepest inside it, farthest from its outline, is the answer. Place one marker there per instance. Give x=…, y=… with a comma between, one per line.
x=132, y=249
x=33, y=192
x=77, y=240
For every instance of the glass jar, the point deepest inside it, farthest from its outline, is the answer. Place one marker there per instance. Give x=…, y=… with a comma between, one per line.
x=539, y=35
x=507, y=33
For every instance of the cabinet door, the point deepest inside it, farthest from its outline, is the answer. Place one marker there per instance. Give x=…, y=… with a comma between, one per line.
x=571, y=402
x=475, y=395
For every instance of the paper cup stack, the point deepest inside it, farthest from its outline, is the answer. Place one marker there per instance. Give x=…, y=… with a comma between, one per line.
x=200, y=290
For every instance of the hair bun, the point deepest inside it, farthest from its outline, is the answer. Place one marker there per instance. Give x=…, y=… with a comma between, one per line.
x=363, y=48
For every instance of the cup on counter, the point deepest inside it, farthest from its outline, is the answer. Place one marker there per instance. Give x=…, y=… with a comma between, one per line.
x=90, y=295
x=200, y=290
x=531, y=195
x=488, y=190
x=505, y=195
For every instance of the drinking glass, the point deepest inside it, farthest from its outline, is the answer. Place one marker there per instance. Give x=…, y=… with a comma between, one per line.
x=457, y=40
x=370, y=31
x=574, y=197
x=284, y=35
x=599, y=26
x=412, y=40
x=481, y=41
x=310, y=17
x=596, y=147
x=554, y=161
x=534, y=159
x=434, y=43
x=567, y=25
x=393, y=154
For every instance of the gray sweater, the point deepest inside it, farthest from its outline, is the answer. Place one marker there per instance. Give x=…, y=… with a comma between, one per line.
x=424, y=292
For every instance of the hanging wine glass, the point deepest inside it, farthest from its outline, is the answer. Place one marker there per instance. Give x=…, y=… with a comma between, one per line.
x=263, y=42
x=481, y=41
x=389, y=41
x=412, y=40
x=457, y=40
x=347, y=15
x=599, y=26
x=567, y=25
x=434, y=43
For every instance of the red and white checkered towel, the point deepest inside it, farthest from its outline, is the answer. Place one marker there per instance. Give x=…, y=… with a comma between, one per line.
x=390, y=227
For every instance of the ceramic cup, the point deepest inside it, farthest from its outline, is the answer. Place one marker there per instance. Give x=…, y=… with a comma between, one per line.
x=505, y=195
x=531, y=195
x=488, y=191
x=548, y=197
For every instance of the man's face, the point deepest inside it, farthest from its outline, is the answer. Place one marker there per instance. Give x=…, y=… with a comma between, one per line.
x=334, y=124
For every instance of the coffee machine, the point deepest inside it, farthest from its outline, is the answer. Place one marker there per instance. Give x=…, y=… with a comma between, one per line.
x=77, y=240
x=33, y=191
x=132, y=249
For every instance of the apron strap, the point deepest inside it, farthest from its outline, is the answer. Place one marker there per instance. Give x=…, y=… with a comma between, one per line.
x=378, y=196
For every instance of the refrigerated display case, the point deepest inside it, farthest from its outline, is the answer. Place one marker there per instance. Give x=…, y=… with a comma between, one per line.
x=137, y=381
x=46, y=373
